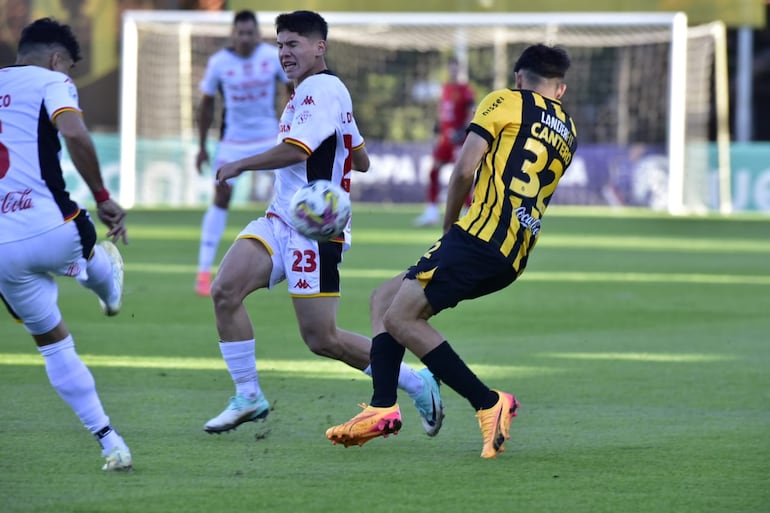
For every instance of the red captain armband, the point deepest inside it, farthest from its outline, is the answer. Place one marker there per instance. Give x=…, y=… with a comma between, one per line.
x=102, y=195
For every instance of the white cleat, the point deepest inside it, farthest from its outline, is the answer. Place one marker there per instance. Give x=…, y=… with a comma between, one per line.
x=118, y=460
x=429, y=404
x=115, y=302
x=239, y=410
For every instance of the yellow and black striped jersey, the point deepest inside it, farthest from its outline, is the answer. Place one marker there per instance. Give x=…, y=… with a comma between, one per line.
x=531, y=143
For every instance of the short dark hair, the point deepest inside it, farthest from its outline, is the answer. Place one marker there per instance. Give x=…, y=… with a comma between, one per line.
x=543, y=60
x=245, y=15
x=303, y=23
x=49, y=32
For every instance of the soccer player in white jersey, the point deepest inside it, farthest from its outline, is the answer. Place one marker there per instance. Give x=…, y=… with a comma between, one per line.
x=43, y=233
x=318, y=138
x=245, y=75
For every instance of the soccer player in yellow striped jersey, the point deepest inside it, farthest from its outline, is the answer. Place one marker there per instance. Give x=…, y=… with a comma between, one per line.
x=522, y=143
x=518, y=146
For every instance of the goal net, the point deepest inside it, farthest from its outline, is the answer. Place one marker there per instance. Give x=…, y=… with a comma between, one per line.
x=641, y=89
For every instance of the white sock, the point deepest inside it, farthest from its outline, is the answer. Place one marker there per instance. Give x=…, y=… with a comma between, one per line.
x=74, y=383
x=242, y=364
x=109, y=439
x=212, y=228
x=408, y=379
x=99, y=270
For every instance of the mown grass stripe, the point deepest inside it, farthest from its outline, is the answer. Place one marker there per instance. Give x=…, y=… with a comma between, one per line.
x=594, y=277
x=309, y=368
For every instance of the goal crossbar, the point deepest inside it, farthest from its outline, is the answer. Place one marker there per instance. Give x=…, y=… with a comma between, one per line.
x=466, y=30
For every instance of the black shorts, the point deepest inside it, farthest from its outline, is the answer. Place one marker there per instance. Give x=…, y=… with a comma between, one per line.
x=458, y=267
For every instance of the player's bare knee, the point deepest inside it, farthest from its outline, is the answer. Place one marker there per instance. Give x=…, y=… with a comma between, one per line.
x=224, y=296
x=323, y=346
x=318, y=347
x=392, y=324
x=320, y=341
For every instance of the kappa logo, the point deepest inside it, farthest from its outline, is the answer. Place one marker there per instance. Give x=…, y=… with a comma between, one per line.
x=308, y=101
x=302, y=284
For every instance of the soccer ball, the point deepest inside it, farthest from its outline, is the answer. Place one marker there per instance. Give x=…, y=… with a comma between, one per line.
x=320, y=210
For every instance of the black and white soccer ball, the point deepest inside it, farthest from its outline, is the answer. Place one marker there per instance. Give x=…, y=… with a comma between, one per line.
x=320, y=210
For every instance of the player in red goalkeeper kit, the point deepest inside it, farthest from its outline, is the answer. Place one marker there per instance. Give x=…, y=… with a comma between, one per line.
x=455, y=110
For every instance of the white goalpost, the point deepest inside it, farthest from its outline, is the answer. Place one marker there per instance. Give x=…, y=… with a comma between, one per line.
x=641, y=89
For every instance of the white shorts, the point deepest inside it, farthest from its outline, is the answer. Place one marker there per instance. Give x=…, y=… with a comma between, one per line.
x=311, y=268
x=28, y=266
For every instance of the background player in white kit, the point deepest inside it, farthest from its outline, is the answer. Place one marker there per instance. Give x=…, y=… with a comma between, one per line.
x=318, y=139
x=43, y=233
x=245, y=75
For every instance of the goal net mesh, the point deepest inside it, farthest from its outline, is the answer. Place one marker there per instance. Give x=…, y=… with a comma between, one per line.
x=618, y=93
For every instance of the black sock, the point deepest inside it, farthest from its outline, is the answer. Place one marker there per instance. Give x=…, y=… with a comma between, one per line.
x=447, y=366
x=386, y=355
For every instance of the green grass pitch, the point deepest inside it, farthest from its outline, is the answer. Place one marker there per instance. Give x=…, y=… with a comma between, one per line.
x=637, y=344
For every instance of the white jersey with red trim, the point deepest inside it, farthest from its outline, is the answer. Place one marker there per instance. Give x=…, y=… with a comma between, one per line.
x=319, y=119
x=247, y=85
x=33, y=198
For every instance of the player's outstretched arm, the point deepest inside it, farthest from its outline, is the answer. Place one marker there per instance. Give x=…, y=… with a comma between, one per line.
x=83, y=155
x=281, y=155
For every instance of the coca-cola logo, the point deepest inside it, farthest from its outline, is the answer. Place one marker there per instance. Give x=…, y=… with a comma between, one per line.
x=14, y=201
